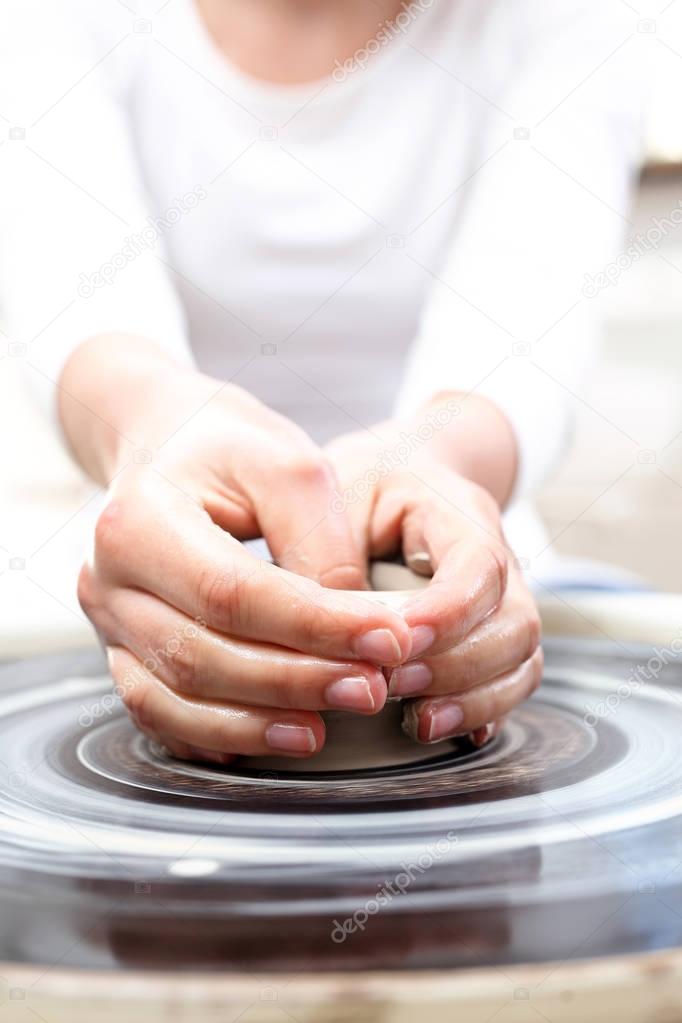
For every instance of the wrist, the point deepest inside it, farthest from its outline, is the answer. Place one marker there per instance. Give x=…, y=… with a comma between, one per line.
x=468, y=434
x=120, y=396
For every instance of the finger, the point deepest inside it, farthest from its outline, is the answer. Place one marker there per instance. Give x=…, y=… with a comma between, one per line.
x=470, y=574
x=480, y=736
x=432, y=719
x=181, y=750
x=221, y=727
x=418, y=560
x=357, y=514
x=201, y=663
x=161, y=542
x=499, y=644
x=468, y=585
x=483, y=735
x=306, y=526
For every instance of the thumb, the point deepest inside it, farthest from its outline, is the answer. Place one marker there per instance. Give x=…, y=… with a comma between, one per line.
x=307, y=527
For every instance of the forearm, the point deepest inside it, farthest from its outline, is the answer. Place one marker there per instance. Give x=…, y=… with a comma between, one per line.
x=466, y=432
x=118, y=393
x=477, y=441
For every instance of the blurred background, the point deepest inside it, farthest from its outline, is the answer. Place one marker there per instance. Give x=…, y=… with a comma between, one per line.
x=634, y=394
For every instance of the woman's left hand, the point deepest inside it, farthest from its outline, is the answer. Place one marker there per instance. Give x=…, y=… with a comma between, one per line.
x=475, y=627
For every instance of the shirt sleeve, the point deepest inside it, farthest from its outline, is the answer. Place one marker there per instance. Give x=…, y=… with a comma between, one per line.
x=510, y=314
x=79, y=252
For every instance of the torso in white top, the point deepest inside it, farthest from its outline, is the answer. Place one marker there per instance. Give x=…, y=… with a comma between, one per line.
x=353, y=244
x=302, y=272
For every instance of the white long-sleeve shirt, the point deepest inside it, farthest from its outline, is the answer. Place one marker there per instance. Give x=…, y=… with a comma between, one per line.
x=340, y=249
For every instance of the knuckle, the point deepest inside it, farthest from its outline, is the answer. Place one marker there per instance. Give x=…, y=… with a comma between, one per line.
x=348, y=576
x=286, y=695
x=219, y=598
x=421, y=501
x=323, y=628
x=301, y=688
x=293, y=686
x=497, y=567
x=110, y=533
x=87, y=591
x=185, y=667
x=93, y=598
x=307, y=467
x=135, y=693
x=132, y=511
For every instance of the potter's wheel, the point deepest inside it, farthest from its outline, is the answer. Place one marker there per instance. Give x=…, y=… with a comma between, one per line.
x=561, y=837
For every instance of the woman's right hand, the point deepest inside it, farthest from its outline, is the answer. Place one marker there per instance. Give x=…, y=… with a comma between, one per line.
x=214, y=652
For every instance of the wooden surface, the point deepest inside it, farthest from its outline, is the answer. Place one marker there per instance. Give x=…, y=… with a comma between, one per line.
x=642, y=989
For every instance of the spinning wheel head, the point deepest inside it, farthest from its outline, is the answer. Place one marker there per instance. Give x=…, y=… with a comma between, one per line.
x=572, y=811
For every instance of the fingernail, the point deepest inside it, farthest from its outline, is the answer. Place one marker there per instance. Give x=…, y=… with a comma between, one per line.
x=443, y=720
x=350, y=694
x=290, y=738
x=410, y=679
x=480, y=736
x=423, y=637
x=379, y=646
x=420, y=562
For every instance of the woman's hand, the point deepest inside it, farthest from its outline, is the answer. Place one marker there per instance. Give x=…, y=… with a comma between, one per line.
x=475, y=627
x=214, y=652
